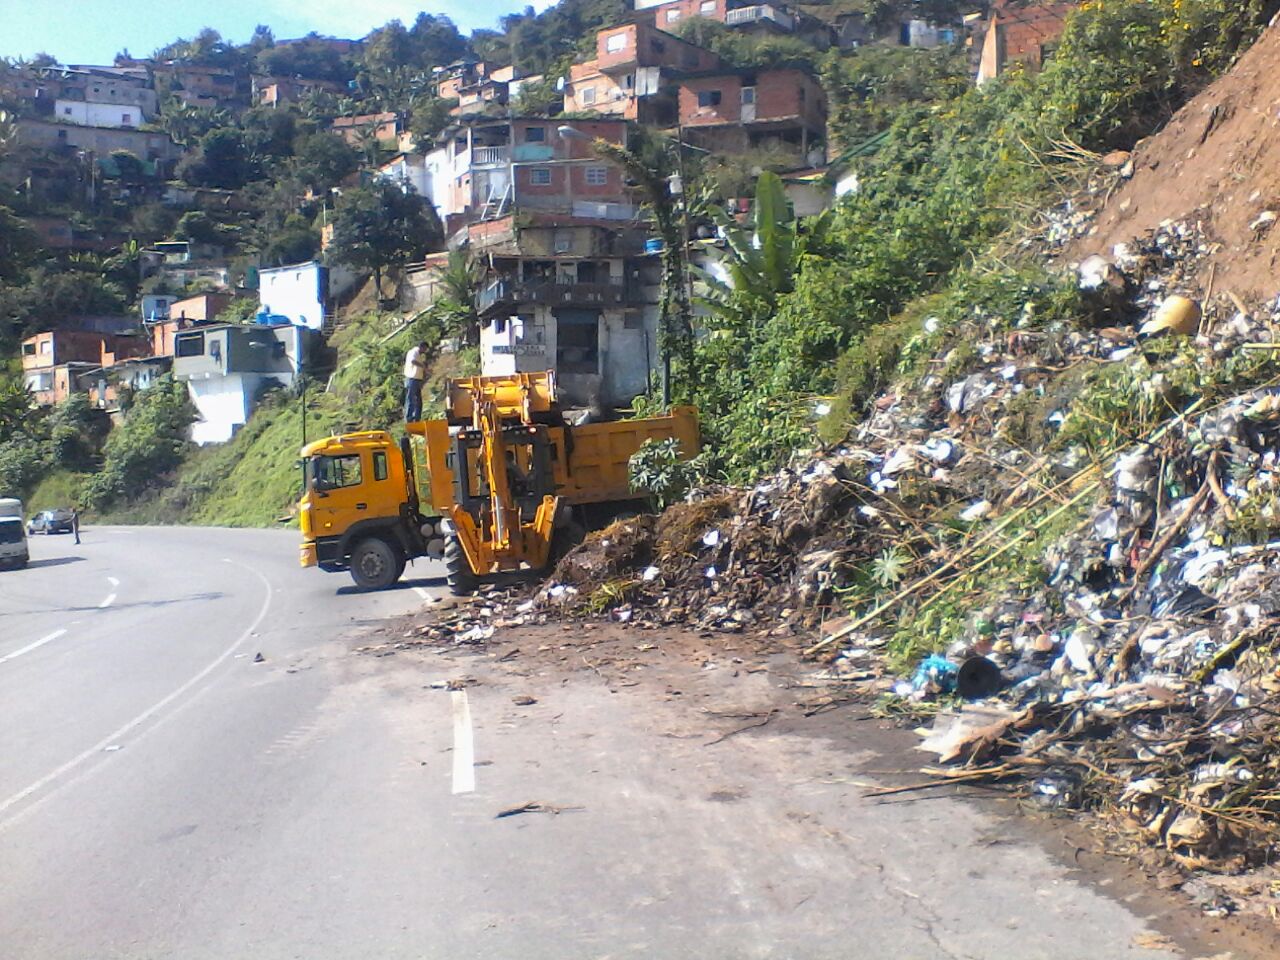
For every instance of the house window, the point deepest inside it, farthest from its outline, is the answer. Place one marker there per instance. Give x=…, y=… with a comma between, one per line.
x=708, y=98
x=379, y=465
x=540, y=176
x=66, y=111
x=748, y=94
x=126, y=118
x=673, y=16
x=46, y=346
x=616, y=43
x=189, y=346
x=657, y=46
x=588, y=95
x=597, y=176
x=802, y=93
x=535, y=134
x=708, y=7
x=28, y=349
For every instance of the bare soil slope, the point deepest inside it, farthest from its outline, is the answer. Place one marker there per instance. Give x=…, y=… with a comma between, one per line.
x=1217, y=161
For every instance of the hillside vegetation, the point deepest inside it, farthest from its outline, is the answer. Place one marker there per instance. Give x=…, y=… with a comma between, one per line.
x=949, y=175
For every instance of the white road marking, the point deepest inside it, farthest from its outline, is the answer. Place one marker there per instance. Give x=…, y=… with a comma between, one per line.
x=422, y=592
x=31, y=646
x=113, y=581
x=111, y=598
x=112, y=738
x=464, y=753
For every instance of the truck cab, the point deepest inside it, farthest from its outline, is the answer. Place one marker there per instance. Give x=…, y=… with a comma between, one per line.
x=360, y=509
x=13, y=534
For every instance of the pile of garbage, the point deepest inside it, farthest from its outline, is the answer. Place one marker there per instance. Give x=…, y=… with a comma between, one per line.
x=1137, y=674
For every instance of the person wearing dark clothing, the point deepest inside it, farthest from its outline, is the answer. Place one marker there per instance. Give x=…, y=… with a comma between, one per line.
x=75, y=523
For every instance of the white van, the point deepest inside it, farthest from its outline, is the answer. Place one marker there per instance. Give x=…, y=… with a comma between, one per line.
x=13, y=534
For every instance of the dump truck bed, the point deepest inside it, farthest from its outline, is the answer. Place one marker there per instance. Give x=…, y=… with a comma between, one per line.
x=596, y=468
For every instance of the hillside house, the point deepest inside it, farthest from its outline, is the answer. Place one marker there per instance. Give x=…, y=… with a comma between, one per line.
x=306, y=294
x=731, y=112
x=742, y=15
x=226, y=367
x=384, y=127
x=57, y=363
x=634, y=73
x=1020, y=33
x=275, y=91
x=109, y=386
x=69, y=140
x=484, y=169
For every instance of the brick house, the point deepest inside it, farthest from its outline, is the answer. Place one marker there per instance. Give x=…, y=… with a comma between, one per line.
x=1022, y=33
x=633, y=74
x=735, y=111
x=385, y=127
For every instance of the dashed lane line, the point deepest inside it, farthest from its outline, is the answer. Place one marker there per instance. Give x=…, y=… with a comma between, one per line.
x=32, y=646
x=464, y=753
x=113, y=738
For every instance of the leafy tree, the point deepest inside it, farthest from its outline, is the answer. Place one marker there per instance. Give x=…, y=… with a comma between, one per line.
x=147, y=446
x=221, y=160
x=309, y=57
x=197, y=227
x=18, y=245
x=295, y=241
x=381, y=225
x=325, y=160
x=428, y=116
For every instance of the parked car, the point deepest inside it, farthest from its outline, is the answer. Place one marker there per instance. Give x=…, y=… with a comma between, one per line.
x=50, y=521
x=13, y=541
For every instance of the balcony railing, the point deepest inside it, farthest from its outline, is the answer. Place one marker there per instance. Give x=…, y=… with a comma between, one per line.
x=757, y=13
x=509, y=291
x=490, y=156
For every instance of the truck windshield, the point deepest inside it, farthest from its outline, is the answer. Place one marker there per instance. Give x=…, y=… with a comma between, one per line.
x=330, y=473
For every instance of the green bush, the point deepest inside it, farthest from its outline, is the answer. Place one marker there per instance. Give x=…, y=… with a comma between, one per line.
x=145, y=448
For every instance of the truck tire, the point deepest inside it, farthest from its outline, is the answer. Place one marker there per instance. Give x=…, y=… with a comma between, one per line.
x=375, y=564
x=458, y=573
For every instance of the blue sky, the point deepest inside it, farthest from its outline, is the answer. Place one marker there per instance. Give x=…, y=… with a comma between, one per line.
x=93, y=31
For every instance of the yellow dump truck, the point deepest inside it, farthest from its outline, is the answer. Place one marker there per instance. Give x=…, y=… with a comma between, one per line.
x=500, y=486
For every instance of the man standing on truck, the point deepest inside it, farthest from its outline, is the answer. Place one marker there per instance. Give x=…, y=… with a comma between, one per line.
x=415, y=372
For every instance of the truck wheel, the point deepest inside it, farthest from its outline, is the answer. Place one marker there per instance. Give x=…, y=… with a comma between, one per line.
x=375, y=565
x=458, y=573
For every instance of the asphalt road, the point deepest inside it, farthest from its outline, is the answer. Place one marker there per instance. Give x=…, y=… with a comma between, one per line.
x=165, y=794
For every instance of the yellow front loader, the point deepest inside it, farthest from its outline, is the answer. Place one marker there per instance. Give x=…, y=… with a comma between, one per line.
x=507, y=484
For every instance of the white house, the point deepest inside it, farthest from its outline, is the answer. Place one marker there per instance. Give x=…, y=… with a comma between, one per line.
x=305, y=293
x=85, y=114
x=227, y=366
x=411, y=170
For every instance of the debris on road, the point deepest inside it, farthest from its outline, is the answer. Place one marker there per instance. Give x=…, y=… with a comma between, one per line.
x=535, y=806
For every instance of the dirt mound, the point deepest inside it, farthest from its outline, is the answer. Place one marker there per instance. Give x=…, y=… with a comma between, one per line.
x=1218, y=162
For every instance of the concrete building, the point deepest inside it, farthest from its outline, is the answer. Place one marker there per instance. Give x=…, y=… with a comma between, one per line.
x=202, y=307
x=226, y=367
x=56, y=363
x=70, y=139
x=568, y=294
x=731, y=112
x=1020, y=33
x=305, y=294
x=633, y=74
x=384, y=127
x=484, y=169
